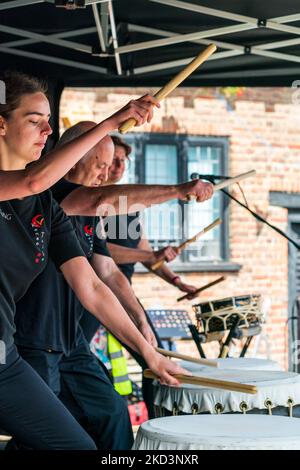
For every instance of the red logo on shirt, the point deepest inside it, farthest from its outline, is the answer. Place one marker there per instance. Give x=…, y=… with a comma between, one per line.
x=38, y=258
x=88, y=229
x=38, y=221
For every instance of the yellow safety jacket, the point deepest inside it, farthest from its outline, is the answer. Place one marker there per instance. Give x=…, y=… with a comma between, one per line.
x=122, y=382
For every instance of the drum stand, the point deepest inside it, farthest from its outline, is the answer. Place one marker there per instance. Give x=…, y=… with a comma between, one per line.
x=225, y=347
x=197, y=339
x=234, y=333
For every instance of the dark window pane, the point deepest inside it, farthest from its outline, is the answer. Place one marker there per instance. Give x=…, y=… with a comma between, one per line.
x=169, y=159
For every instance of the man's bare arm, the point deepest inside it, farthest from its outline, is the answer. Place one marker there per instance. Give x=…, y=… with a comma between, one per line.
x=123, y=199
x=123, y=254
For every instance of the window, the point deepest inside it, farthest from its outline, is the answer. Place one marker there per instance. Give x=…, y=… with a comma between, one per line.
x=162, y=222
x=171, y=159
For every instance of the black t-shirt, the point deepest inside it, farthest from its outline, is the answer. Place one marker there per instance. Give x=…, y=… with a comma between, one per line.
x=53, y=323
x=124, y=230
x=31, y=229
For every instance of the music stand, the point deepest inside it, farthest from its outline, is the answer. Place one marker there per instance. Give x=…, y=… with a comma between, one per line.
x=171, y=324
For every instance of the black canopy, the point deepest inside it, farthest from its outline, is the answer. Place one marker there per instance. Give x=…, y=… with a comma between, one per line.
x=145, y=42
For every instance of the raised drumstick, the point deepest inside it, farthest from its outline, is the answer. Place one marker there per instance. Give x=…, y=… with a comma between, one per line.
x=207, y=382
x=192, y=295
x=183, y=357
x=227, y=182
x=158, y=264
x=172, y=84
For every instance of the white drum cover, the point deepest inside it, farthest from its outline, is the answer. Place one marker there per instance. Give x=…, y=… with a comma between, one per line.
x=222, y=432
x=275, y=386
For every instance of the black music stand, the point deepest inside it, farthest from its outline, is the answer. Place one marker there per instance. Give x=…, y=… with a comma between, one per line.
x=171, y=324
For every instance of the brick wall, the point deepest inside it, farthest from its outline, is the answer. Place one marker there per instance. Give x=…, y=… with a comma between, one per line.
x=263, y=126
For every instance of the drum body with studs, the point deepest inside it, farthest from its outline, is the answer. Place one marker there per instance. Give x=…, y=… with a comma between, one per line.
x=225, y=432
x=278, y=393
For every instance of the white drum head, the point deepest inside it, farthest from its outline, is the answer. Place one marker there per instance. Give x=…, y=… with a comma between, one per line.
x=223, y=432
x=247, y=363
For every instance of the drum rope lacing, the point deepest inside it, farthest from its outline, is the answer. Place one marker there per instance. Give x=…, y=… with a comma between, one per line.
x=249, y=313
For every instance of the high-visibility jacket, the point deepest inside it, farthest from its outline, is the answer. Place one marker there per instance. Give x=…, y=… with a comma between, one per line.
x=122, y=382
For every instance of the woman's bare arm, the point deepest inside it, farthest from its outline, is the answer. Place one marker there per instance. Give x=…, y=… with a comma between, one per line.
x=101, y=302
x=42, y=174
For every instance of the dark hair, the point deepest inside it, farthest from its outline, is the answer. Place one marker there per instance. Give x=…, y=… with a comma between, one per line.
x=17, y=85
x=121, y=143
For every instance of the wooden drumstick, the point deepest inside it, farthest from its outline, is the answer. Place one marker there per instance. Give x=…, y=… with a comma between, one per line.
x=183, y=357
x=158, y=264
x=207, y=382
x=172, y=84
x=192, y=295
x=228, y=182
x=202, y=232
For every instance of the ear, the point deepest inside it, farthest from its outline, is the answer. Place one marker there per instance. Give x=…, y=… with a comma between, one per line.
x=2, y=126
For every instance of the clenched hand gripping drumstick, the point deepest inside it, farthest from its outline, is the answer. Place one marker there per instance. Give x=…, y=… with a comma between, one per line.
x=218, y=186
x=194, y=294
x=226, y=183
x=190, y=240
x=207, y=382
x=170, y=86
x=183, y=357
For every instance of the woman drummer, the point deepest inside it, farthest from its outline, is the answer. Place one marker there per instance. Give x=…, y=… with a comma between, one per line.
x=33, y=227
